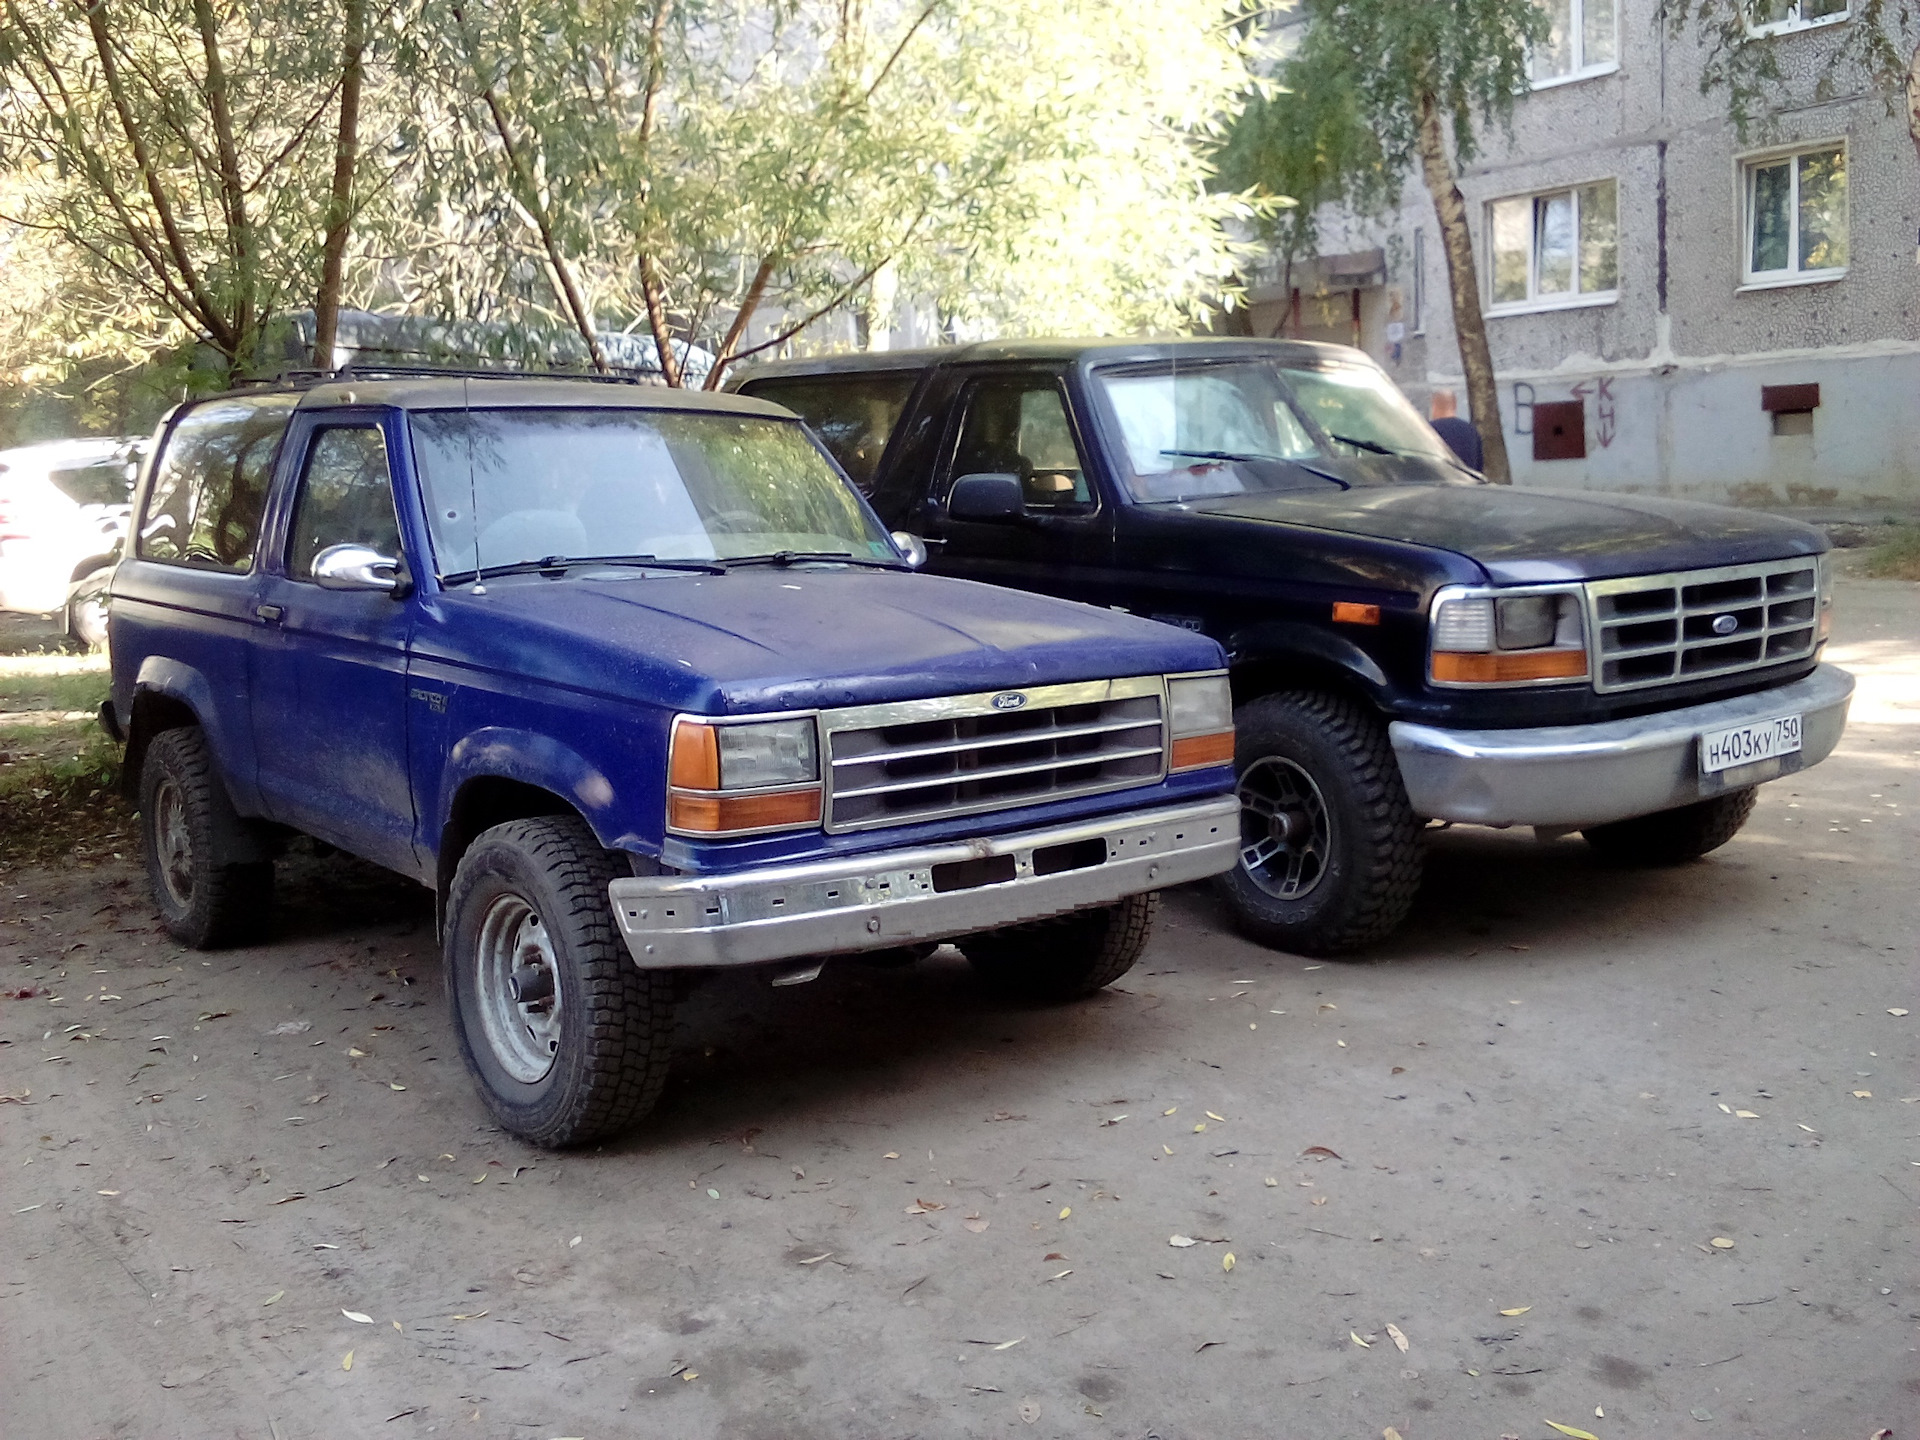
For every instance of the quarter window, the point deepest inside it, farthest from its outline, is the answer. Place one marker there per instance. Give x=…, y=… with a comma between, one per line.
x=211, y=486
x=1561, y=247
x=346, y=498
x=1796, y=222
x=853, y=415
x=1583, y=40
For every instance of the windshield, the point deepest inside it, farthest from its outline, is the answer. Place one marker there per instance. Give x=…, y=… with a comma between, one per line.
x=512, y=487
x=1227, y=427
x=1361, y=409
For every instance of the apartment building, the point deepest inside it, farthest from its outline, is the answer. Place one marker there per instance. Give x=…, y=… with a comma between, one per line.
x=1673, y=307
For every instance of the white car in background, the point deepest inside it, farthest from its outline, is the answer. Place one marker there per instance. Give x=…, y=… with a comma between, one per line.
x=63, y=512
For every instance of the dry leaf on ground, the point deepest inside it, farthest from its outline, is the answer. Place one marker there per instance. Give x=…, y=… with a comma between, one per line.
x=1517, y=1310
x=1399, y=1337
x=1572, y=1430
x=1226, y=1261
x=1181, y=1242
x=1363, y=1344
x=1721, y=1242
x=357, y=1317
x=1321, y=1152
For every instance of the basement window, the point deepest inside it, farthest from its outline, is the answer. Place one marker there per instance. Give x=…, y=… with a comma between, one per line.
x=1791, y=407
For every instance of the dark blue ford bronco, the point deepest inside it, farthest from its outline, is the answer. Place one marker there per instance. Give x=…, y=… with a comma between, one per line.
x=637, y=684
x=1407, y=642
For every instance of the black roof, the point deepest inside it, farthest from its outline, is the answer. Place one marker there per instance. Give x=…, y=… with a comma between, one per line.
x=1107, y=351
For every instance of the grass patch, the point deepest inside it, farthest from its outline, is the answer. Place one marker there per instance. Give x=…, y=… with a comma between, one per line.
x=1897, y=558
x=59, y=775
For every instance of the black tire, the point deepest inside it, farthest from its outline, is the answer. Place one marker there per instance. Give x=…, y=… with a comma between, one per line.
x=1066, y=957
x=531, y=895
x=1330, y=854
x=207, y=895
x=1672, y=837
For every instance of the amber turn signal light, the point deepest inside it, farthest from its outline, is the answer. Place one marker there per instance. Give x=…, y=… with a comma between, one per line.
x=1501, y=667
x=1193, y=751
x=720, y=813
x=1351, y=612
x=695, y=757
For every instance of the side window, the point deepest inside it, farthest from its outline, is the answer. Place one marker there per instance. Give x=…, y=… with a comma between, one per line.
x=1020, y=427
x=346, y=498
x=211, y=487
x=853, y=415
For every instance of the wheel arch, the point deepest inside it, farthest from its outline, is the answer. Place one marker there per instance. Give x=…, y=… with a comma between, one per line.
x=478, y=804
x=1268, y=658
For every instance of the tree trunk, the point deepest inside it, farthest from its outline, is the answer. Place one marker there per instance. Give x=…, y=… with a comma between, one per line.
x=1913, y=100
x=346, y=155
x=1463, y=280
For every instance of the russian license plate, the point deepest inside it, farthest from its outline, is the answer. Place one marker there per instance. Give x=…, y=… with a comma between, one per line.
x=1749, y=744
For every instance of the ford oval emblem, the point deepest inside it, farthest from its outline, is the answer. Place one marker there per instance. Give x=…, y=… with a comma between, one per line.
x=1725, y=624
x=1009, y=700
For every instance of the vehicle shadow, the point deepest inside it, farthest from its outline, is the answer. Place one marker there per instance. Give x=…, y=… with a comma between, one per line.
x=870, y=1045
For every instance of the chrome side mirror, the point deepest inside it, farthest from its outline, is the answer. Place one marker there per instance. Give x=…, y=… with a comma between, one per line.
x=912, y=547
x=356, y=567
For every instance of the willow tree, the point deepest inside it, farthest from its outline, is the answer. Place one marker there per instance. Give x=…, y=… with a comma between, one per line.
x=689, y=167
x=198, y=163
x=1424, y=75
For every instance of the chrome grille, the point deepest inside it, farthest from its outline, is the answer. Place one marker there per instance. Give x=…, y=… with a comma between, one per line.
x=1660, y=629
x=963, y=754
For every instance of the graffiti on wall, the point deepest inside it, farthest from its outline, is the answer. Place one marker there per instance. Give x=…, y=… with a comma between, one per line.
x=1605, y=417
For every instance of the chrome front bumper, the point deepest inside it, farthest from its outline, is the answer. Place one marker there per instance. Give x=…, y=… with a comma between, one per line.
x=889, y=898
x=1580, y=775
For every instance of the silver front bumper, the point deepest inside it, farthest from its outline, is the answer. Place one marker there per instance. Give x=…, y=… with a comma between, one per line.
x=1580, y=775
x=893, y=897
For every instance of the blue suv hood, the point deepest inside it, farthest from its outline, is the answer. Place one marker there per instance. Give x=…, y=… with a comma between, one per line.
x=1534, y=536
x=779, y=639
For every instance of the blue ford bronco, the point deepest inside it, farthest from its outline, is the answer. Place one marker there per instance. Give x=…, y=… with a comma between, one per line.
x=1407, y=643
x=638, y=685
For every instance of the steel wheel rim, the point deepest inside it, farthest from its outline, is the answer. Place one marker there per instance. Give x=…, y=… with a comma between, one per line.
x=524, y=1035
x=173, y=842
x=1286, y=833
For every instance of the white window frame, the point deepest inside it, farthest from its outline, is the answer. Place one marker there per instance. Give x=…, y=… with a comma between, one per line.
x=1577, y=25
x=1794, y=22
x=1536, y=302
x=1744, y=168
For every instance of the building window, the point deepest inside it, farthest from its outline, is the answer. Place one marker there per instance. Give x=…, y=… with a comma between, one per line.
x=1796, y=216
x=1776, y=17
x=1584, y=40
x=1556, y=249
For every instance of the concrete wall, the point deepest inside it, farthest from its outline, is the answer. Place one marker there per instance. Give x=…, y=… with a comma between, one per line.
x=1671, y=381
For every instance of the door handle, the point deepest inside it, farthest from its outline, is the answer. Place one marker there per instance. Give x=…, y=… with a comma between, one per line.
x=269, y=613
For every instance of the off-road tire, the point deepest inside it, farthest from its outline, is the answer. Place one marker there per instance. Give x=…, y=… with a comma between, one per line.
x=207, y=898
x=1672, y=837
x=616, y=1020
x=1373, y=853
x=1065, y=957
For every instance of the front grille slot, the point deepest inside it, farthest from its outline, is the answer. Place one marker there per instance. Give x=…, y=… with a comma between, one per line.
x=926, y=760
x=1661, y=629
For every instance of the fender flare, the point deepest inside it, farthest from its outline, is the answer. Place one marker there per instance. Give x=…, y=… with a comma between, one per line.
x=1280, y=641
x=527, y=757
x=170, y=679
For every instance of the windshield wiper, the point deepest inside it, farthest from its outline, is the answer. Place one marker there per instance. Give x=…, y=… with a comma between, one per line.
x=1272, y=459
x=1230, y=455
x=803, y=557
x=559, y=564
x=1374, y=445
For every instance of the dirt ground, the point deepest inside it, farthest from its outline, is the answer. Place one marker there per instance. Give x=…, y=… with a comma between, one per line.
x=1483, y=1182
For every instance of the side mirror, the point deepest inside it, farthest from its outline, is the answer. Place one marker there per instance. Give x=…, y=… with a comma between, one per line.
x=986, y=497
x=912, y=547
x=357, y=567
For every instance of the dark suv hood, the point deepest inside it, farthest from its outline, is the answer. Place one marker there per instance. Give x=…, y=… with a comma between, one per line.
x=774, y=639
x=1530, y=536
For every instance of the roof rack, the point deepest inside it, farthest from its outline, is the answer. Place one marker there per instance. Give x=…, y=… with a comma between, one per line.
x=306, y=376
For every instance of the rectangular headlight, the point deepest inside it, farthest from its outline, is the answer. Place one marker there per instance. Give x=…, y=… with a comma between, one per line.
x=1509, y=639
x=1200, y=721
x=736, y=779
